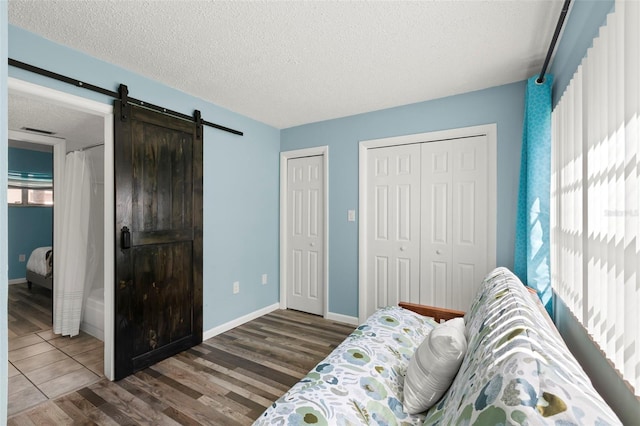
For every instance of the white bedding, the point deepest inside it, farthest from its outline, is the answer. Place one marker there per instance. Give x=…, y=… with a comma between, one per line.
x=38, y=261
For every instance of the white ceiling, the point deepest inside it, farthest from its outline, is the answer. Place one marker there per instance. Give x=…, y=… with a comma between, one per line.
x=292, y=63
x=78, y=128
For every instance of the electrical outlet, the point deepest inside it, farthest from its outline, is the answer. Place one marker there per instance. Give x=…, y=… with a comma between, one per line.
x=264, y=278
x=236, y=287
x=21, y=258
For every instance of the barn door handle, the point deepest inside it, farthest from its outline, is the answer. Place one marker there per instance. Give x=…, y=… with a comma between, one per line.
x=125, y=238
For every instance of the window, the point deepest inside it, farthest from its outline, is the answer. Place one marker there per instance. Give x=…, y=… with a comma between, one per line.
x=595, y=192
x=30, y=189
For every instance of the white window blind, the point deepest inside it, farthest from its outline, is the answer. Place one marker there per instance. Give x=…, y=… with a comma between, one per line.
x=595, y=192
x=30, y=189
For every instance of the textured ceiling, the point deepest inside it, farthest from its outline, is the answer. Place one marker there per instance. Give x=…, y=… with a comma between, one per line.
x=291, y=63
x=78, y=128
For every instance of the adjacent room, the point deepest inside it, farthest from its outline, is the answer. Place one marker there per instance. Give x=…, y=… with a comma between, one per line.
x=43, y=364
x=322, y=212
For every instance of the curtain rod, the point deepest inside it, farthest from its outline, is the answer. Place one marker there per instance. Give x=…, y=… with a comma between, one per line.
x=556, y=34
x=116, y=95
x=86, y=148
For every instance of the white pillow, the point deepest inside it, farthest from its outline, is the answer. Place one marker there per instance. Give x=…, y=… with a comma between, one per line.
x=434, y=365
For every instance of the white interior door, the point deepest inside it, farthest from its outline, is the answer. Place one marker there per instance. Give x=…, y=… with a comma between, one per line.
x=305, y=234
x=393, y=255
x=454, y=199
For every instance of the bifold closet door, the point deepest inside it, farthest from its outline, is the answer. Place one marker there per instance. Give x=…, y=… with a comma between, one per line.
x=305, y=234
x=393, y=225
x=454, y=212
x=427, y=223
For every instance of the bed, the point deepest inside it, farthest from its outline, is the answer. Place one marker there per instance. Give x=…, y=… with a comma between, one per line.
x=40, y=268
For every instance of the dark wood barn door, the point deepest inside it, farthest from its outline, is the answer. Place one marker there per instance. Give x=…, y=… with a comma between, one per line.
x=158, y=189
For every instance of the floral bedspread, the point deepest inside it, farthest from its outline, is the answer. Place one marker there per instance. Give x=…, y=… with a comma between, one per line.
x=517, y=371
x=358, y=383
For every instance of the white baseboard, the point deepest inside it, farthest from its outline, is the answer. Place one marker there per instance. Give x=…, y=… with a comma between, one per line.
x=342, y=318
x=17, y=281
x=239, y=321
x=92, y=330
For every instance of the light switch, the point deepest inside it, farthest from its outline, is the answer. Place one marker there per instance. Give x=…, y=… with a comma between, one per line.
x=351, y=215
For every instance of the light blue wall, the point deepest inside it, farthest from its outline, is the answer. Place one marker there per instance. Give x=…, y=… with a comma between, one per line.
x=3, y=211
x=26, y=160
x=29, y=227
x=503, y=105
x=241, y=180
x=581, y=27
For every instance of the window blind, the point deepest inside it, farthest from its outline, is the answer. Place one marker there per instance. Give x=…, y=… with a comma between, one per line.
x=595, y=188
x=30, y=180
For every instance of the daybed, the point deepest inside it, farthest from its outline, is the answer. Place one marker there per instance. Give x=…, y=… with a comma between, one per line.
x=517, y=370
x=40, y=268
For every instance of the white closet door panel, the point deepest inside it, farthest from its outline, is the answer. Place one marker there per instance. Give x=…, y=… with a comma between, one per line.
x=313, y=291
x=381, y=217
x=297, y=272
x=381, y=281
x=403, y=209
x=313, y=211
x=437, y=272
x=470, y=213
x=297, y=197
x=438, y=212
x=404, y=276
x=463, y=287
x=454, y=213
x=393, y=201
x=437, y=207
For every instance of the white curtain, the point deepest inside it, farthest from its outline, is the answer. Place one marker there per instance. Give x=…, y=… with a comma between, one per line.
x=95, y=244
x=70, y=279
x=595, y=192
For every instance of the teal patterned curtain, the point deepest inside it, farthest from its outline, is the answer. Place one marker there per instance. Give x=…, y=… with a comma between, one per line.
x=532, y=249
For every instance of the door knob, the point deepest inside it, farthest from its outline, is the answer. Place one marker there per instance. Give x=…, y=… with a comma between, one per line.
x=312, y=244
x=438, y=251
x=403, y=248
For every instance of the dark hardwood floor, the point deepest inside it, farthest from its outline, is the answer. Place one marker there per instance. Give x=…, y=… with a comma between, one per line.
x=229, y=379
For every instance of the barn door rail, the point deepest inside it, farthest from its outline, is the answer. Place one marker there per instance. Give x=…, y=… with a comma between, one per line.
x=123, y=95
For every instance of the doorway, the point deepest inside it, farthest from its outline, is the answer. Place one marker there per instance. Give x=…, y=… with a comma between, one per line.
x=43, y=365
x=427, y=218
x=104, y=112
x=304, y=230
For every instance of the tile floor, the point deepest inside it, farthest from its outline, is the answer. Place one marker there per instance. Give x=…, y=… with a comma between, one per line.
x=43, y=365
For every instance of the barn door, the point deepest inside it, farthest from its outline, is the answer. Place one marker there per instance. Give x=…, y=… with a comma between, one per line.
x=158, y=190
